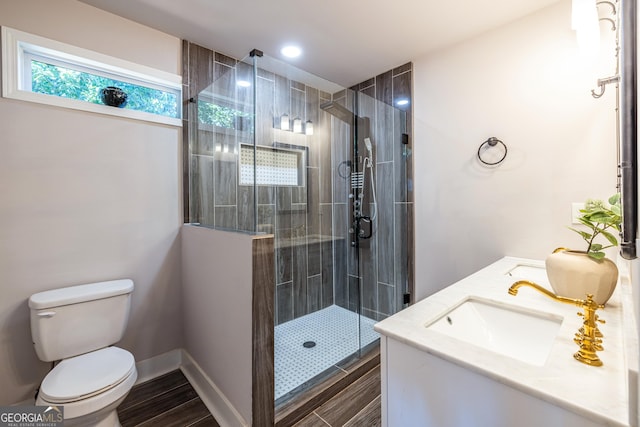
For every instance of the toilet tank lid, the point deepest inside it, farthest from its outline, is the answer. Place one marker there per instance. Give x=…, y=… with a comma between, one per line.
x=80, y=293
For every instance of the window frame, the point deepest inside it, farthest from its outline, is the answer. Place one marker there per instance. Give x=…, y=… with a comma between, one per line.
x=19, y=47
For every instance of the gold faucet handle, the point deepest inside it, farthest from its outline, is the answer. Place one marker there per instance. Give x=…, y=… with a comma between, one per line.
x=591, y=303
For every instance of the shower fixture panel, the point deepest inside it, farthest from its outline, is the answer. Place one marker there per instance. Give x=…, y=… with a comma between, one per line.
x=361, y=224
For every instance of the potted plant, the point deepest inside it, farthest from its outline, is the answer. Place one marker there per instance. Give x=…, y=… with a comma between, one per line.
x=575, y=274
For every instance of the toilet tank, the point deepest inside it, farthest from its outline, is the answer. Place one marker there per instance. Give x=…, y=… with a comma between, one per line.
x=75, y=320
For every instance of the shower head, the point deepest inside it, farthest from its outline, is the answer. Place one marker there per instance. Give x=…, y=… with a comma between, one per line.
x=338, y=111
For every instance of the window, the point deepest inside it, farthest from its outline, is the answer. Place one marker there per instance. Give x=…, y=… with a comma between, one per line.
x=41, y=70
x=58, y=80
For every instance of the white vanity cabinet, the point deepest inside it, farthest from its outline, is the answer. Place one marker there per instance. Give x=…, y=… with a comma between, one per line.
x=422, y=390
x=432, y=378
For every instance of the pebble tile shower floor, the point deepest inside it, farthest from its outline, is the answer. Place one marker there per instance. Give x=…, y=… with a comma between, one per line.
x=335, y=333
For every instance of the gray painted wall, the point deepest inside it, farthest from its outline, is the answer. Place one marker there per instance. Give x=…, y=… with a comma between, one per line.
x=87, y=197
x=528, y=84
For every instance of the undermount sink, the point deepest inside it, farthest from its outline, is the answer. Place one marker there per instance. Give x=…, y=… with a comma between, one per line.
x=525, y=335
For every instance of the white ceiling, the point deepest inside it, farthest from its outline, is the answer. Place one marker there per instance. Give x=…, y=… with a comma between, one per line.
x=345, y=41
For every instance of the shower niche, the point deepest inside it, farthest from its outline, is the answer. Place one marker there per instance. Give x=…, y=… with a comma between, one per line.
x=273, y=166
x=338, y=199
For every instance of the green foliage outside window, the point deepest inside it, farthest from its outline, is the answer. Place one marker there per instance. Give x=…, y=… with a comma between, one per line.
x=59, y=81
x=55, y=80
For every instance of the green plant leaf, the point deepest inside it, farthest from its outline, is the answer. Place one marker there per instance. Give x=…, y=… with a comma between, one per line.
x=600, y=216
x=596, y=255
x=615, y=199
x=596, y=247
x=586, y=222
x=610, y=237
x=586, y=236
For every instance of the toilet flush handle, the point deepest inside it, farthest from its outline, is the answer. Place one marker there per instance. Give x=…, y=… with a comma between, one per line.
x=46, y=314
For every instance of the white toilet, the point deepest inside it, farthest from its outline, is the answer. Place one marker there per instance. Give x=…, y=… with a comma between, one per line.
x=75, y=326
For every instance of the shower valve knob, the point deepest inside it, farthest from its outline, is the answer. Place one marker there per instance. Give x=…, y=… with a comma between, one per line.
x=351, y=230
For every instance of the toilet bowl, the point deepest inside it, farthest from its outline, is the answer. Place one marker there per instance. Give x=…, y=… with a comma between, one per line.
x=77, y=326
x=90, y=387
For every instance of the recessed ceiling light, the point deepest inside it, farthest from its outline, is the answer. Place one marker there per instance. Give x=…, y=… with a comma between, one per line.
x=243, y=83
x=402, y=102
x=291, y=51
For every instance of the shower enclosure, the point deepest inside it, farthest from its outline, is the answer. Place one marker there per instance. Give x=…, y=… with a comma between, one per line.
x=327, y=171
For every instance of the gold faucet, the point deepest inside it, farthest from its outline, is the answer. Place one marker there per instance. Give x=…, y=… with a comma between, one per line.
x=589, y=336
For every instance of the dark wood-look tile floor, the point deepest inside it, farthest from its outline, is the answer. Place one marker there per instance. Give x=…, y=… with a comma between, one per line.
x=358, y=405
x=167, y=401
x=170, y=401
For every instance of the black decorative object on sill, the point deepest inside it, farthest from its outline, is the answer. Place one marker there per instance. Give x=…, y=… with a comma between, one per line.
x=113, y=96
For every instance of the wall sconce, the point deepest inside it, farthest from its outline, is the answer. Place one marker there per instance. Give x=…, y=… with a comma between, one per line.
x=284, y=122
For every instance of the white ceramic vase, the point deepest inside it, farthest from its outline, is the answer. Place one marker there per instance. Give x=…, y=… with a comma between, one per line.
x=574, y=274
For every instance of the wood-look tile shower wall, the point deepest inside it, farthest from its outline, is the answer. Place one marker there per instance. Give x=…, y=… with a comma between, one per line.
x=310, y=222
x=212, y=194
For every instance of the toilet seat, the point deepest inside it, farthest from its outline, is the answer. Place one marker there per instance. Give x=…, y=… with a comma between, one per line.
x=82, y=377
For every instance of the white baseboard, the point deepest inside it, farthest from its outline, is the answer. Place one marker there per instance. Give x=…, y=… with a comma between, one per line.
x=217, y=403
x=155, y=366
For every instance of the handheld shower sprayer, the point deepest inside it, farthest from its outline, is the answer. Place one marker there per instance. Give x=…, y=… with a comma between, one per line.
x=367, y=143
x=369, y=163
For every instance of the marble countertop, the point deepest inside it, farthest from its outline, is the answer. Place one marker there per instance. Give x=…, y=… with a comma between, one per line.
x=599, y=393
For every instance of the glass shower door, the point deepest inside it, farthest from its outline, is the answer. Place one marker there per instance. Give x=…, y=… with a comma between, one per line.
x=296, y=202
x=378, y=213
x=334, y=235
